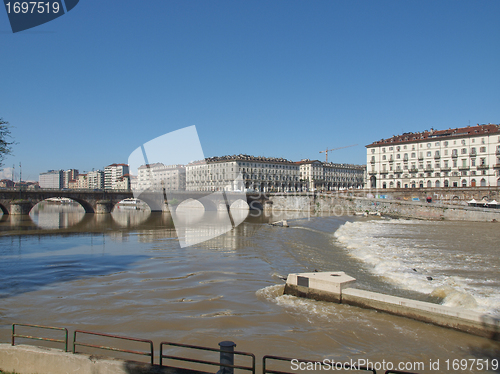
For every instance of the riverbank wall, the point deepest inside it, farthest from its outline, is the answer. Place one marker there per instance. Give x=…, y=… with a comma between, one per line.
x=339, y=205
x=27, y=359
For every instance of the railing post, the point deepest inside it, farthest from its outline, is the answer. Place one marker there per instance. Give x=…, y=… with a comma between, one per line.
x=226, y=356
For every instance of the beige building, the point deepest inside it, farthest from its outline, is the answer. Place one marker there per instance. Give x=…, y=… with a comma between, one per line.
x=243, y=173
x=158, y=177
x=461, y=157
x=322, y=176
x=266, y=174
x=82, y=181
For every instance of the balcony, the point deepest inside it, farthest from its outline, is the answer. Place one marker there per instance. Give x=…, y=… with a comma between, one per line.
x=462, y=168
x=384, y=172
x=473, y=154
x=482, y=166
x=437, y=156
x=454, y=155
x=497, y=166
x=429, y=170
x=413, y=170
x=446, y=168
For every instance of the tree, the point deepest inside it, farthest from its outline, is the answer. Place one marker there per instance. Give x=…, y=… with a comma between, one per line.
x=5, y=137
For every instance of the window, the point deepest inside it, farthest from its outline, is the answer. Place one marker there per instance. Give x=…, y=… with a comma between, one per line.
x=429, y=145
x=429, y=154
x=398, y=156
x=373, y=150
x=437, y=144
x=473, y=162
x=413, y=155
x=464, y=151
x=383, y=157
x=404, y=147
x=463, y=141
x=482, y=149
x=391, y=148
x=446, y=144
x=383, y=150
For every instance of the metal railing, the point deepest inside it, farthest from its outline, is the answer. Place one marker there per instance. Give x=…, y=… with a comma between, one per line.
x=226, y=351
x=150, y=353
x=344, y=366
x=65, y=341
x=213, y=363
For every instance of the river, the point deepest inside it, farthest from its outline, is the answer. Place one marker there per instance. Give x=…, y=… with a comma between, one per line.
x=126, y=274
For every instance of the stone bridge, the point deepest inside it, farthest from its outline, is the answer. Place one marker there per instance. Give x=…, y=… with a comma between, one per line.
x=19, y=201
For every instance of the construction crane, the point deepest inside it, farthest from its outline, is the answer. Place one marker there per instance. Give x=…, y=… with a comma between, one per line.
x=334, y=149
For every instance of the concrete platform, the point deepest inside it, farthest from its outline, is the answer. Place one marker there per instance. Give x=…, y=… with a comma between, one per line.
x=321, y=286
x=338, y=287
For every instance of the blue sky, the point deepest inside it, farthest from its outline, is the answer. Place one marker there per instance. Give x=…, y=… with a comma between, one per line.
x=271, y=78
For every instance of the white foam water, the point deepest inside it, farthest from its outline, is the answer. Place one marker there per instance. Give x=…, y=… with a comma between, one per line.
x=453, y=261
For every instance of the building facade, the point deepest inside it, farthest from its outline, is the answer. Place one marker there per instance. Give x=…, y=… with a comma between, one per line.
x=113, y=174
x=51, y=179
x=243, y=172
x=461, y=157
x=82, y=181
x=69, y=175
x=95, y=180
x=159, y=176
x=267, y=174
x=326, y=176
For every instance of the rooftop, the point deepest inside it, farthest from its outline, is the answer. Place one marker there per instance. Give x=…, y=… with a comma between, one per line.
x=410, y=137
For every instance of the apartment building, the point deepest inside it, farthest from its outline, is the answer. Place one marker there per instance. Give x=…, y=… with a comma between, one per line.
x=114, y=173
x=82, y=181
x=460, y=157
x=51, y=179
x=159, y=176
x=69, y=175
x=95, y=179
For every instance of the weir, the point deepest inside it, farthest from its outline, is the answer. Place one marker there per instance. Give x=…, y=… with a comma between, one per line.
x=338, y=287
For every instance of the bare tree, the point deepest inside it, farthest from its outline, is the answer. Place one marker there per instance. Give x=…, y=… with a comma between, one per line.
x=5, y=140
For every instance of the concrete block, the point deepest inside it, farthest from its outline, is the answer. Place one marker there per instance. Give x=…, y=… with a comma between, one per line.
x=322, y=286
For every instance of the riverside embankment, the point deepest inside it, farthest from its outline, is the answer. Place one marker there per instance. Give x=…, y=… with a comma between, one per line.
x=338, y=205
